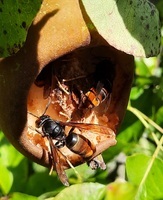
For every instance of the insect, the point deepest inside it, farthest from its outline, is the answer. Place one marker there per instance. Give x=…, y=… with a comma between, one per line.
x=97, y=86
x=95, y=96
x=102, y=88
x=77, y=143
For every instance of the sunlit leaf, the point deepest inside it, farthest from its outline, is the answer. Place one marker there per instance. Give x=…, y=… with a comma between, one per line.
x=149, y=180
x=142, y=69
x=136, y=92
x=91, y=191
x=9, y=156
x=130, y=26
x=18, y=196
x=80, y=174
x=121, y=191
x=15, y=162
x=6, y=179
x=15, y=19
x=38, y=168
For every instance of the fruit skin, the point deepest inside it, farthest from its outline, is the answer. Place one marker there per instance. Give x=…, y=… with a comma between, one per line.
x=54, y=32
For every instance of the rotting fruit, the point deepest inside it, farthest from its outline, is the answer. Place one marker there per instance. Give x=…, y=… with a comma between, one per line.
x=69, y=109
x=86, y=80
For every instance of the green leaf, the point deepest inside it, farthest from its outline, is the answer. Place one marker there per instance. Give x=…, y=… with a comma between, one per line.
x=130, y=26
x=15, y=19
x=81, y=174
x=9, y=156
x=131, y=129
x=20, y=174
x=159, y=5
x=136, y=92
x=148, y=179
x=19, y=196
x=121, y=191
x=159, y=116
x=42, y=182
x=15, y=163
x=6, y=179
x=141, y=68
x=90, y=191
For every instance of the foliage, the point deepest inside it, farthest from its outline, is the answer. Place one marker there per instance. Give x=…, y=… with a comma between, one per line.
x=134, y=165
x=136, y=28
x=109, y=18
x=139, y=143
x=15, y=19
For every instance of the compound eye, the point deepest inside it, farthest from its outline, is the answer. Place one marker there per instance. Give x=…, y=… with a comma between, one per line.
x=42, y=120
x=38, y=123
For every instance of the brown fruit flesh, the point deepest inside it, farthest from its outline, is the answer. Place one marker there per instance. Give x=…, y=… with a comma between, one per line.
x=18, y=73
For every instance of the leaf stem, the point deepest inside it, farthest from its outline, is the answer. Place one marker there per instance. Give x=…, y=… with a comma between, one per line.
x=144, y=119
x=154, y=156
x=156, y=140
x=147, y=122
x=139, y=116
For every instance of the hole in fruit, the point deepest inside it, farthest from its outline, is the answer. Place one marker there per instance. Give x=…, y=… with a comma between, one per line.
x=68, y=109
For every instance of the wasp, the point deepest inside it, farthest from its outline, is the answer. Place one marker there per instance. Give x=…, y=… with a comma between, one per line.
x=96, y=95
x=102, y=88
x=97, y=86
x=77, y=143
